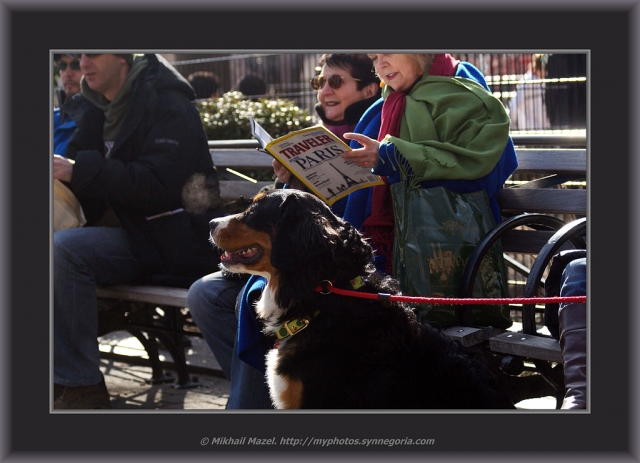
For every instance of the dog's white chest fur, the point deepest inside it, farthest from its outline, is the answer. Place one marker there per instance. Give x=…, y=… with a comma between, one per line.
x=277, y=384
x=268, y=310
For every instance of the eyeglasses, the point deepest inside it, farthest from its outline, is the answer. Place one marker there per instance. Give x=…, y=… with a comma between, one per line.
x=74, y=65
x=335, y=81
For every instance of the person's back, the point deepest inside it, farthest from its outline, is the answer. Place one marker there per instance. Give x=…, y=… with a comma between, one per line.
x=566, y=102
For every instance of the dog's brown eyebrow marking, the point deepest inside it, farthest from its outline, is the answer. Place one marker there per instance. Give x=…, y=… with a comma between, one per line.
x=258, y=196
x=291, y=397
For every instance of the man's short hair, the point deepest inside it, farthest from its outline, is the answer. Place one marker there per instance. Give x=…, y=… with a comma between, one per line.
x=204, y=83
x=126, y=56
x=252, y=85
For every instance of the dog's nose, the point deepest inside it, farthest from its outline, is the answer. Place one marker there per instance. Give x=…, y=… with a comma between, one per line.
x=213, y=224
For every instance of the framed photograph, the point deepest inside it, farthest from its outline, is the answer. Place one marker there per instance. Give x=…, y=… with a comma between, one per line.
x=31, y=30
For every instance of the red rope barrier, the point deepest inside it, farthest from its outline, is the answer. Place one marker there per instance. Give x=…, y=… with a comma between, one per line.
x=451, y=300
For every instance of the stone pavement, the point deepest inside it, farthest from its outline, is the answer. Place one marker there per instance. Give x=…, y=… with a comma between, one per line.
x=128, y=389
x=126, y=377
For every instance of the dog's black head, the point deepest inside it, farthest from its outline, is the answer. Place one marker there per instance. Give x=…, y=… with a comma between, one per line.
x=294, y=240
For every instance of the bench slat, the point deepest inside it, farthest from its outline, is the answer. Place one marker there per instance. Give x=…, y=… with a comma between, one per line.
x=525, y=241
x=559, y=161
x=233, y=189
x=524, y=345
x=241, y=159
x=226, y=144
x=572, y=138
x=530, y=160
x=174, y=297
x=548, y=201
x=550, y=181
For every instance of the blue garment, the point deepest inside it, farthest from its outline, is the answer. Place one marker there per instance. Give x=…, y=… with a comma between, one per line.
x=574, y=279
x=358, y=206
x=62, y=132
x=491, y=183
x=65, y=122
x=212, y=301
x=250, y=345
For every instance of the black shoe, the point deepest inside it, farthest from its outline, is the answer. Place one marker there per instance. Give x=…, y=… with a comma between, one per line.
x=573, y=344
x=58, y=389
x=83, y=397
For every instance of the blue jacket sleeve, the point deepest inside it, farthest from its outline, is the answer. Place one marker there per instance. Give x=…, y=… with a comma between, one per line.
x=250, y=347
x=358, y=205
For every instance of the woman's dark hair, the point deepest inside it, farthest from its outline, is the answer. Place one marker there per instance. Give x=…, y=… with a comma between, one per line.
x=358, y=65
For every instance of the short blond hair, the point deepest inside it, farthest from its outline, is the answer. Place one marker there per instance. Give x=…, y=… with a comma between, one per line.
x=423, y=61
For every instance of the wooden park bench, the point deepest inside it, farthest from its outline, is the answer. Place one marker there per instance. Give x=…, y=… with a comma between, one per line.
x=542, y=188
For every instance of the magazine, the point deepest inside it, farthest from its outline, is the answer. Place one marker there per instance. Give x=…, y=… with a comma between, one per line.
x=313, y=156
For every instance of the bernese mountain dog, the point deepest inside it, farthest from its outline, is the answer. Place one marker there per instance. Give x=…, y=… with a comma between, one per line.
x=335, y=351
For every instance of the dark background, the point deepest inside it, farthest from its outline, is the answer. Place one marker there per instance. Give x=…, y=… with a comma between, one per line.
x=34, y=33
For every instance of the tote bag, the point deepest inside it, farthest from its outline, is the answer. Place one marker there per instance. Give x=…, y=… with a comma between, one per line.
x=67, y=212
x=436, y=230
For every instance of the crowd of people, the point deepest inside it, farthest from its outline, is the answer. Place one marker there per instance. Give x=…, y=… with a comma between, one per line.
x=128, y=142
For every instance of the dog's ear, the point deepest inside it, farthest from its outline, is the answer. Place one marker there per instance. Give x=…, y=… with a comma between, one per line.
x=301, y=233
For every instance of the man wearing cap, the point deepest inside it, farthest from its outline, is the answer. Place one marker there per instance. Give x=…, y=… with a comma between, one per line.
x=65, y=115
x=138, y=148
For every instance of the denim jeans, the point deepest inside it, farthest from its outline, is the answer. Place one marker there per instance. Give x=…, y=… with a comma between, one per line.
x=84, y=258
x=574, y=278
x=212, y=301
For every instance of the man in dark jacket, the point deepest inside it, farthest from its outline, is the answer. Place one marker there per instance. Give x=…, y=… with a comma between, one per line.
x=140, y=166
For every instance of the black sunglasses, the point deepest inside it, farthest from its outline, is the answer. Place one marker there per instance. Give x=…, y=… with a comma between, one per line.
x=74, y=65
x=335, y=81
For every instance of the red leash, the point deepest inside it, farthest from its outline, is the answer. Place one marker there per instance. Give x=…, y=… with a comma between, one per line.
x=382, y=297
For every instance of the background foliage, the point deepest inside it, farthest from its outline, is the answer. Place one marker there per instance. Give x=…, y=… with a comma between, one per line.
x=227, y=117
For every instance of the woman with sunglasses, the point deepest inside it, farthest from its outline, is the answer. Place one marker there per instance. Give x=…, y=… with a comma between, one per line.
x=346, y=88
x=441, y=128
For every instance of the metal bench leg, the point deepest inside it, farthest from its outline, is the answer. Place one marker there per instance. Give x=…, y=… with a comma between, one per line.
x=179, y=360
x=150, y=345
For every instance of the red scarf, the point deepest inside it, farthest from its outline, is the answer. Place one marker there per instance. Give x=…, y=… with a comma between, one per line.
x=380, y=224
x=444, y=65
